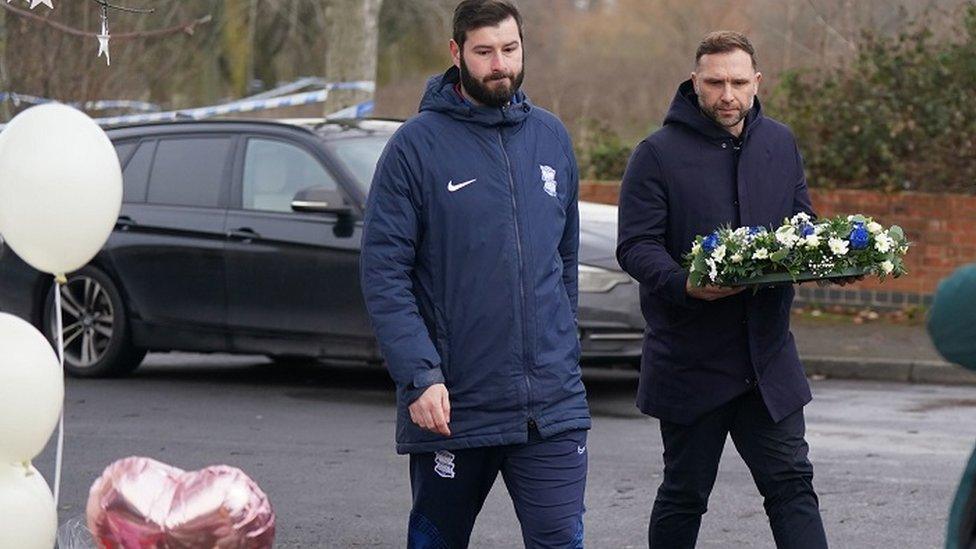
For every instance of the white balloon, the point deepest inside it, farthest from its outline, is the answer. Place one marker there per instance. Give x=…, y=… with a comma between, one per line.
x=60, y=187
x=29, y=519
x=31, y=391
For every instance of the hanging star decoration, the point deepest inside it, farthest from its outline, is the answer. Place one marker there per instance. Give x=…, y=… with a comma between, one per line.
x=104, y=37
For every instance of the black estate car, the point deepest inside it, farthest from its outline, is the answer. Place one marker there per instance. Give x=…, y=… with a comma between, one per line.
x=243, y=237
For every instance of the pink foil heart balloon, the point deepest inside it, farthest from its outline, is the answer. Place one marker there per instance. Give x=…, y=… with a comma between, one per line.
x=140, y=503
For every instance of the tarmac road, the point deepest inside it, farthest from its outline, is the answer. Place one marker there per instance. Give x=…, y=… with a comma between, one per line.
x=319, y=440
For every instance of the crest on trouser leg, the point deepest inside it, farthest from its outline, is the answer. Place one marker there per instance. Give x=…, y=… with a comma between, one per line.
x=444, y=464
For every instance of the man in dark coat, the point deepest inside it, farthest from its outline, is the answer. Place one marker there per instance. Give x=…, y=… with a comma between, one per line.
x=716, y=360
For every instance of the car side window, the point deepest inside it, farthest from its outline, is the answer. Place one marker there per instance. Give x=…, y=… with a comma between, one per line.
x=123, y=150
x=135, y=176
x=274, y=171
x=189, y=171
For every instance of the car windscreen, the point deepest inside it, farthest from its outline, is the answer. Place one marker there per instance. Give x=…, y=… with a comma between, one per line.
x=360, y=155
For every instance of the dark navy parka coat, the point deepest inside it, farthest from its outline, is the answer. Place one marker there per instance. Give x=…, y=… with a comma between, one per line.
x=469, y=269
x=688, y=179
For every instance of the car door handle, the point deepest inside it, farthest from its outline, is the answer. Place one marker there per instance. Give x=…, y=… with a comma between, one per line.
x=244, y=233
x=124, y=222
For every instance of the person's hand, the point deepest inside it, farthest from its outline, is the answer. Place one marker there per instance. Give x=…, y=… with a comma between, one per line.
x=711, y=293
x=432, y=411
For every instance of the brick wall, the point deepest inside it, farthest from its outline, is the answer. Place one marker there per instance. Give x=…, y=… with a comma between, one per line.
x=941, y=227
x=604, y=192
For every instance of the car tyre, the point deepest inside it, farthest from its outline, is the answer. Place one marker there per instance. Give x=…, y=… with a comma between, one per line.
x=96, y=330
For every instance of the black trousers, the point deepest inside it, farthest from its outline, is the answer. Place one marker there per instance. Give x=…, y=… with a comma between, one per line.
x=776, y=454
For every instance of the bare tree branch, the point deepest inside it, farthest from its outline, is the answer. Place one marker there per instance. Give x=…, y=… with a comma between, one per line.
x=831, y=29
x=106, y=5
x=186, y=27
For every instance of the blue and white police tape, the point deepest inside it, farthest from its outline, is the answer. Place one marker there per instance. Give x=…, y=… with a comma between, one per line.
x=249, y=105
x=101, y=105
x=361, y=110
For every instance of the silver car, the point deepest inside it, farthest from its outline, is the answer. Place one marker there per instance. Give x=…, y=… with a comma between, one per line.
x=611, y=323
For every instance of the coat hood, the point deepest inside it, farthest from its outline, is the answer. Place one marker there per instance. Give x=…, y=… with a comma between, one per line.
x=684, y=110
x=440, y=96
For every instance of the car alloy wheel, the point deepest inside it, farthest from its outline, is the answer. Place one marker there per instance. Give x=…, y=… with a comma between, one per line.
x=88, y=320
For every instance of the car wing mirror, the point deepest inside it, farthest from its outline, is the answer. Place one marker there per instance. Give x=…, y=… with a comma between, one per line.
x=320, y=200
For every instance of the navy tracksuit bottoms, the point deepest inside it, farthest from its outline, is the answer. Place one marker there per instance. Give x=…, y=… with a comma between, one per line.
x=545, y=478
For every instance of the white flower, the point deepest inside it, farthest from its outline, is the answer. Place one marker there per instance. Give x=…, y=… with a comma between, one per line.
x=838, y=246
x=875, y=228
x=718, y=254
x=712, y=269
x=695, y=248
x=736, y=258
x=887, y=266
x=883, y=242
x=811, y=241
x=786, y=235
x=801, y=218
x=761, y=253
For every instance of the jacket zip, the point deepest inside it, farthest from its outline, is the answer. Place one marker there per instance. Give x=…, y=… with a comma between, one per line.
x=518, y=247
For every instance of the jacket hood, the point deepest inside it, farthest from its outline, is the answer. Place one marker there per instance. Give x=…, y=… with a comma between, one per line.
x=684, y=110
x=441, y=97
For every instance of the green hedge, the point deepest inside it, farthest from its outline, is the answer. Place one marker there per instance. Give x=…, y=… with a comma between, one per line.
x=601, y=153
x=901, y=116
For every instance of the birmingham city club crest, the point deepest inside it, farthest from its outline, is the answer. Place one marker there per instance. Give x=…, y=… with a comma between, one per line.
x=548, y=180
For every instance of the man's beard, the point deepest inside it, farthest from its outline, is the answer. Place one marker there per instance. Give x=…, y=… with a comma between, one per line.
x=493, y=97
x=712, y=112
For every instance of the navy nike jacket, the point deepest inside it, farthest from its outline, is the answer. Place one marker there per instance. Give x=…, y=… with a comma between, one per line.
x=469, y=269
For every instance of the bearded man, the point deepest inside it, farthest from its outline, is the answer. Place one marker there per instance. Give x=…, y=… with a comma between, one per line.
x=469, y=273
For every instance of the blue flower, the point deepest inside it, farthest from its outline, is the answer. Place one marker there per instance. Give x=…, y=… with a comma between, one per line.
x=859, y=237
x=756, y=230
x=710, y=242
x=807, y=230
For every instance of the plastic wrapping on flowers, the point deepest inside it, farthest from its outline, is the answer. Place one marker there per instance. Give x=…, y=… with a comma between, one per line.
x=74, y=534
x=802, y=248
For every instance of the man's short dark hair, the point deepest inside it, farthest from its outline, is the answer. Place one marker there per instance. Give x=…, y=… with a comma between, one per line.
x=725, y=42
x=475, y=14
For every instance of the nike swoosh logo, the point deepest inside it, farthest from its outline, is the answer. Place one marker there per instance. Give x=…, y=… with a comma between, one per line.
x=451, y=187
